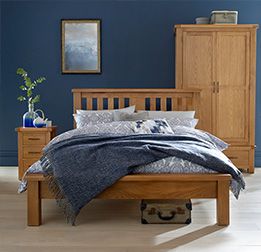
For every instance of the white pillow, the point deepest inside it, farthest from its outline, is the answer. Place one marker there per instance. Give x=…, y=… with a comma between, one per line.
x=170, y=114
x=130, y=109
x=123, y=116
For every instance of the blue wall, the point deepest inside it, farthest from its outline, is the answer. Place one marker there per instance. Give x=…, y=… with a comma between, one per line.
x=137, y=51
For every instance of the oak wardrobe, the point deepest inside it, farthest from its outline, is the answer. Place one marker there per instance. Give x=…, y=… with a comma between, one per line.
x=221, y=61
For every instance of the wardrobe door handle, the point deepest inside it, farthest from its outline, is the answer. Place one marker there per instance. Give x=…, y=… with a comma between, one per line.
x=217, y=86
x=214, y=86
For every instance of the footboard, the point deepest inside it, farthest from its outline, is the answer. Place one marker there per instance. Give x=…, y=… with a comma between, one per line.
x=145, y=186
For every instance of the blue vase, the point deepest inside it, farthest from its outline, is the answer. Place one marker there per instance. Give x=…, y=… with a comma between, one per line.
x=29, y=116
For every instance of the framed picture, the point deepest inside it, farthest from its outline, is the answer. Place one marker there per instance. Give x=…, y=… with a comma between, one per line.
x=81, y=46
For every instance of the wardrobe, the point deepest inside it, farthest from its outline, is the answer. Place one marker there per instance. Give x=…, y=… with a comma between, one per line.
x=221, y=61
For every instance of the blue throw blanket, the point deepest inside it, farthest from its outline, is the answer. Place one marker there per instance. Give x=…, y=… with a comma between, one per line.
x=83, y=166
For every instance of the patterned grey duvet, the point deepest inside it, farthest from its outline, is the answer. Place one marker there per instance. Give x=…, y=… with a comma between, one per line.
x=172, y=165
x=165, y=165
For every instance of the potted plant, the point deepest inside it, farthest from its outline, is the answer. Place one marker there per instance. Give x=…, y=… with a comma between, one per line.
x=29, y=97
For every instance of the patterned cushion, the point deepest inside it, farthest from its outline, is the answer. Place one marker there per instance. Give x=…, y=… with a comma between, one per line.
x=123, y=116
x=188, y=122
x=152, y=126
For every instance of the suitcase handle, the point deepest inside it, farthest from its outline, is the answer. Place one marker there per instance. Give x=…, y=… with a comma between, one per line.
x=166, y=218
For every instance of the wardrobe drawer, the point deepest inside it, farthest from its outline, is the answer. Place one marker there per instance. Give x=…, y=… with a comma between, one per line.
x=34, y=139
x=239, y=158
x=34, y=151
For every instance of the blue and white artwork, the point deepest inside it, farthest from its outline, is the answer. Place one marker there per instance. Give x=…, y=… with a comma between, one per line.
x=81, y=45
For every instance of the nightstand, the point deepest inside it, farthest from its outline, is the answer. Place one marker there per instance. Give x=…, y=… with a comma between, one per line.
x=30, y=144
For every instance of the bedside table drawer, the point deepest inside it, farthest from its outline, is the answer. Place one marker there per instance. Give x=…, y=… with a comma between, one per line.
x=34, y=139
x=32, y=151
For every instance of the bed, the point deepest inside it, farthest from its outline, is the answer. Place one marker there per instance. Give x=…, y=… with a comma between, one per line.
x=141, y=186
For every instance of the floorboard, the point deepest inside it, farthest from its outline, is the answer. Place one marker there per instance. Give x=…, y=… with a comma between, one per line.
x=108, y=225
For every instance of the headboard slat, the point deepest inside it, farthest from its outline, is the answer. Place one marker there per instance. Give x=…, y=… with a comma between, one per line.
x=100, y=103
x=120, y=102
x=174, y=103
x=89, y=103
x=163, y=103
x=110, y=103
x=152, y=103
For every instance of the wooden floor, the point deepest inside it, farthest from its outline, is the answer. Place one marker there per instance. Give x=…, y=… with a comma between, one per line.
x=115, y=225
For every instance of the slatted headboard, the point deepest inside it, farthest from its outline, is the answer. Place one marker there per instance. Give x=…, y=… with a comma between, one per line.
x=144, y=99
x=167, y=99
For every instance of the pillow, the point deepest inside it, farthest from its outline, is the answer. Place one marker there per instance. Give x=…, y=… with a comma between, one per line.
x=151, y=126
x=124, y=128
x=130, y=109
x=83, y=120
x=170, y=114
x=123, y=116
x=85, y=117
x=187, y=122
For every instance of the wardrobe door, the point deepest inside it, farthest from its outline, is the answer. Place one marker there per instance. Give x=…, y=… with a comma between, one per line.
x=232, y=112
x=197, y=71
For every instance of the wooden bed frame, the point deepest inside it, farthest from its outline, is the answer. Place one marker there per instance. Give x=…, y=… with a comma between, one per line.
x=142, y=186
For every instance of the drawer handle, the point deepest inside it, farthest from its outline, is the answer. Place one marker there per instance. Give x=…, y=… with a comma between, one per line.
x=33, y=138
x=232, y=157
x=34, y=152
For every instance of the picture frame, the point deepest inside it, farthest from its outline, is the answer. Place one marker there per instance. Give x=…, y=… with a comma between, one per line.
x=81, y=46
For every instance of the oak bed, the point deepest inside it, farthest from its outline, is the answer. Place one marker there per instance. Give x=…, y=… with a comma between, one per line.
x=141, y=186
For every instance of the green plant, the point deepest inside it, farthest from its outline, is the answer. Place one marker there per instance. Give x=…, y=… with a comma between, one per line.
x=28, y=87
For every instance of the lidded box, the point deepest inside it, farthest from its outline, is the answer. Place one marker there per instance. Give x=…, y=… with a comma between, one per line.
x=224, y=17
x=166, y=211
x=202, y=20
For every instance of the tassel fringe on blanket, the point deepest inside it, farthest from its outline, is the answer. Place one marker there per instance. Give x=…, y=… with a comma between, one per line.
x=56, y=191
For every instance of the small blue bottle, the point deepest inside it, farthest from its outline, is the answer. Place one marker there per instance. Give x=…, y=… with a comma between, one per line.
x=29, y=116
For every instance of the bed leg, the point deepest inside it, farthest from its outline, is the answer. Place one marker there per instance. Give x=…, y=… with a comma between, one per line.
x=223, y=203
x=33, y=204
